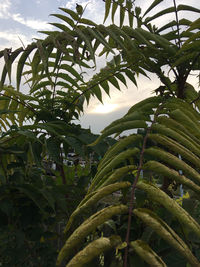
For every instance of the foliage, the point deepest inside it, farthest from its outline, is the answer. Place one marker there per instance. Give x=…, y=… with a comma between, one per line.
x=36, y=200
x=165, y=148
x=165, y=138
x=162, y=153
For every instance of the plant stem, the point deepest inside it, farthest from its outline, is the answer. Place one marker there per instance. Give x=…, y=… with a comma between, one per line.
x=133, y=189
x=177, y=23
x=133, y=197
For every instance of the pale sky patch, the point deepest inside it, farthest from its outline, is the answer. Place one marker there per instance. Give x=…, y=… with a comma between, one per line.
x=104, y=108
x=9, y=35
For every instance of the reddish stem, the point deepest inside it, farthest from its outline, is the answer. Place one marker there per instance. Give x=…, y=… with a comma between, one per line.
x=133, y=197
x=133, y=189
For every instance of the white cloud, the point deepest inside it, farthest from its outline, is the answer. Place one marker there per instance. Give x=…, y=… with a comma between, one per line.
x=36, y=24
x=4, y=8
x=32, y=23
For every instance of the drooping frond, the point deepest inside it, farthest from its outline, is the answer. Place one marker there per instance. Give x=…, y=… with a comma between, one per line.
x=157, y=148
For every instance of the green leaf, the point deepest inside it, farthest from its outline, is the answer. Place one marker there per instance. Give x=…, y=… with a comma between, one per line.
x=53, y=148
x=130, y=116
x=146, y=105
x=187, y=58
x=114, y=82
x=60, y=26
x=84, y=38
x=97, y=92
x=40, y=85
x=73, y=14
x=79, y=9
x=174, y=23
x=100, y=38
x=90, y=200
x=187, y=8
x=118, y=147
x=165, y=171
x=176, y=148
x=155, y=194
x=87, y=227
x=9, y=59
x=146, y=253
x=57, y=60
x=139, y=36
x=162, y=42
x=194, y=25
x=67, y=78
x=162, y=229
x=116, y=175
x=113, y=32
x=37, y=152
x=178, y=136
x=7, y=55
x=122, y=126
x=113, y=163
x=64, y=18
x=159, y=14
x=154, y=4
x=107, y=9
x=122, y=15
x=186, y=121
x=129, y=6
x=174, y=161
x=94, y=249
x=87, y=22
x=43, y=54
x=105, y=87
x=131, y=76
x=121, y=78
x=72, y=71
x=22, y=61
x=35, y=65
x=114, y=9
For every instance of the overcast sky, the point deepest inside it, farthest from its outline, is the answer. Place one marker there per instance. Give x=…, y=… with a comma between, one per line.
x=21, y=19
